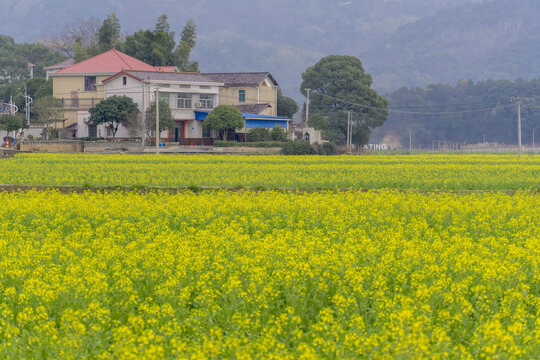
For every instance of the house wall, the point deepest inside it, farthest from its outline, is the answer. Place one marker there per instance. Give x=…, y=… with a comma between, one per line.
x=194, y=129
x=254, y=95
x=63, y=86
x=144, y=95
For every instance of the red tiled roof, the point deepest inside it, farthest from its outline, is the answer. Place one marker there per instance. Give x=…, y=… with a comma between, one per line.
x=112, y=61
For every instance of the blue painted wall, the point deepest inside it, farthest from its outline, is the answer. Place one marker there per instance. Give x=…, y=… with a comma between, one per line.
x=253, y=124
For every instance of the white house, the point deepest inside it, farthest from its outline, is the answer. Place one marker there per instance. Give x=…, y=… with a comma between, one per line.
x=184, y=92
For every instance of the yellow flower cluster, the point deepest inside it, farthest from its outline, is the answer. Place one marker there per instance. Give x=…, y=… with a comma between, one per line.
x=425, y=172
x=273, y=275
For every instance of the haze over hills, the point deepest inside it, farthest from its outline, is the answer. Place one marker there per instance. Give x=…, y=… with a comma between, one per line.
x=400, y=42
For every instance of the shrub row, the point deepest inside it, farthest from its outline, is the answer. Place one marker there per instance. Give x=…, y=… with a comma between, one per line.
x=300, y=147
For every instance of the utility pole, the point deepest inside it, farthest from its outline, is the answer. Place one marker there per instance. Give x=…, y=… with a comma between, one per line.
x=349, y=137
x=533, y=141
x=307, y=105
x=410, y=139
x=143, y=116
x=518, y=100
x=28, y=100
x=157, y=120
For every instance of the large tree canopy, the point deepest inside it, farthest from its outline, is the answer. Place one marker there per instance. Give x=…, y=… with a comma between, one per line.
x=285, y=105
x=338, y=84
x=114, y=111
x=157, y=47
x=224, y=118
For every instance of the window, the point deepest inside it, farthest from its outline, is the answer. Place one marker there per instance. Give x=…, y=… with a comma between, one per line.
x=124, y=81
x=206, y=133
x=90, y=83
x=165, y=98
x=207, y=101
x=184, y=86
x=184, y=101
x=204, y=87
x=241, y=95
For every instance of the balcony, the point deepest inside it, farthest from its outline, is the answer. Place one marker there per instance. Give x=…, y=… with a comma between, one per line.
x=79, y=103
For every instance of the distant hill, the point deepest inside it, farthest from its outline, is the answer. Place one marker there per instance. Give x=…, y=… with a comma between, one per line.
x=401, y=42
x=494, y=39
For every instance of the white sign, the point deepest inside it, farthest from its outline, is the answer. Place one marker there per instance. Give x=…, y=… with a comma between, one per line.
x=375, y=147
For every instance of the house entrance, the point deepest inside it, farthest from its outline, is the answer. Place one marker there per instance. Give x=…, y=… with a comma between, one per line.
x=179, y=131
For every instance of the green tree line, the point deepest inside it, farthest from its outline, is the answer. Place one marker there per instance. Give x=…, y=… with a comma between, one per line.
x=468, y=112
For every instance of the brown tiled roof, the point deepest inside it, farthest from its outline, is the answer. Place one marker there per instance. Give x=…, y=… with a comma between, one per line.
x=252, y=108
x=61, y=65
x=170, y=76
x=242, y=78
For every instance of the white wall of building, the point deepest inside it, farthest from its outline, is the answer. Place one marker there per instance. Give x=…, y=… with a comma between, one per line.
x=144, y=94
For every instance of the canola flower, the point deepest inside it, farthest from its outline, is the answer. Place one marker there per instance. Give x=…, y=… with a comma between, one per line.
x=423, y=172
x=272, y=275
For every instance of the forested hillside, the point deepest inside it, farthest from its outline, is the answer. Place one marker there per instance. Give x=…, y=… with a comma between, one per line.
x=14, y=59
x=467, y=112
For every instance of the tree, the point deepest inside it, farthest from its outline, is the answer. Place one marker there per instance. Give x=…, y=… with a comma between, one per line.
x=278, y=134
x=14, y=59
x=185, y=46
x=109, y=33
x=339, y=84
x=285, y=105
x=166, y=120
x=80, y=53
x=113, y=111
x=258, y=134
x=318, y=122
x=63, y=42
x=224, y=118
x=39, y=87
x=48, y=109
x=11, y=123
x=155, y=47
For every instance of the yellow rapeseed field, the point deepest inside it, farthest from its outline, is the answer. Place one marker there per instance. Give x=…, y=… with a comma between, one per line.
x=270, y=275
x=426, y=172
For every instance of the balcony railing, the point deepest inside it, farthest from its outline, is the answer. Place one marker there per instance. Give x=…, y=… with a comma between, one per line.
x=79, y=103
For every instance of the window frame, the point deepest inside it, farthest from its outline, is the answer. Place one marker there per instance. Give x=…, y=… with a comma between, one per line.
x=209, y=102
x=89, y=85
x=165, y=97
x=185, y=98
x=242, y=95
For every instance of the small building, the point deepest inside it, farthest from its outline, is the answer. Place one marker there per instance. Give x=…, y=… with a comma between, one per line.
x=302, y=131
x=251, y=121
x=31, y=67
x=49, y=70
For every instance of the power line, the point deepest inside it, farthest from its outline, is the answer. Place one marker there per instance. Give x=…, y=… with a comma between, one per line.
x=410, y=112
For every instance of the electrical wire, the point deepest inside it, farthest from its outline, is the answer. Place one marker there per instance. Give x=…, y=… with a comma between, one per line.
x=410, y=112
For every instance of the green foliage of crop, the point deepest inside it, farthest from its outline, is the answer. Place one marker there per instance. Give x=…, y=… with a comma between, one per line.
x=423, y=172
